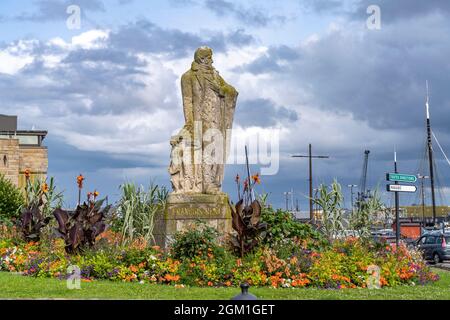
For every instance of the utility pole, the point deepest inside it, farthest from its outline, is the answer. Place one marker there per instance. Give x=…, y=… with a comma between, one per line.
x=422, y=191
x=430, y=156
x=310, y=157
x=286, y=194
x=397, y=214
x=351, y=186
x=292, y=199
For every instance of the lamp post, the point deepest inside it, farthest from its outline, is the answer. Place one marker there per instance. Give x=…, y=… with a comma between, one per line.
x=287, y=194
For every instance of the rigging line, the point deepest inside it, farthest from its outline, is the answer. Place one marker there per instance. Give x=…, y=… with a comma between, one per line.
x=438, y=183
x=440, y=147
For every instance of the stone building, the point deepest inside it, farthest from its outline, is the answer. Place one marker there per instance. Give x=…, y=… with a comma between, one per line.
x=21, y=150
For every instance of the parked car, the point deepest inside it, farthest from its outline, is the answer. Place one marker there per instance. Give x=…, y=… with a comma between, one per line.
x=384, y=235
x=435, y=246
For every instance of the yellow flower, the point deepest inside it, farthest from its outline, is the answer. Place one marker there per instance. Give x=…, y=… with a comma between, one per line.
x=44, y=188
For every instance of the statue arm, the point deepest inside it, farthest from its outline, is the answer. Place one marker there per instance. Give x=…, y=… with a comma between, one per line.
x=226, y=90
x=187, y=93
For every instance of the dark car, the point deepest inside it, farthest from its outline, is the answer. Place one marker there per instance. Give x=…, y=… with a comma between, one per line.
x=435, y=246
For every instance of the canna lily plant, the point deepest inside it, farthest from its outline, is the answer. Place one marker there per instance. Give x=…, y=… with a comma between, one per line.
x=80, y=228
x=41, y=198
x=246, y=218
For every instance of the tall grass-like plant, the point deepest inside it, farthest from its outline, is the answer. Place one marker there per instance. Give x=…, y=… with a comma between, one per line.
x=137, y=211
x=330, y=201
x=362, y=219
x=42, y=195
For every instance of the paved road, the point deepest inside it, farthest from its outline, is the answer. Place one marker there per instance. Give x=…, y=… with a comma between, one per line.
x=444, y=265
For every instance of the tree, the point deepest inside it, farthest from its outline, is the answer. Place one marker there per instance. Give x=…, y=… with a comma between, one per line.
x=11, y=200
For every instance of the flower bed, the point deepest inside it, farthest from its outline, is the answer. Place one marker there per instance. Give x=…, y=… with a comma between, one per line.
x=351, y=263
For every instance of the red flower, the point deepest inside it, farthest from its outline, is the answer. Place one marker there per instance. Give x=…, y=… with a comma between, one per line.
x=245, y=185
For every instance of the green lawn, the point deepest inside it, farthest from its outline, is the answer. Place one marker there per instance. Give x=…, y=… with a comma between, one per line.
x=19, y=287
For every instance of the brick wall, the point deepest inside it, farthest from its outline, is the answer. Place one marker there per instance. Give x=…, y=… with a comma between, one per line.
x=9, y=159
x=33, y=158
x=15, y=159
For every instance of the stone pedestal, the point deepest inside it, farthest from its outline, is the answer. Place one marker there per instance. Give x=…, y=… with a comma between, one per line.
x=184, y=209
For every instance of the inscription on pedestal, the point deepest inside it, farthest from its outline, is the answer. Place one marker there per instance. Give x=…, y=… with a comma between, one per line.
x=184, y=210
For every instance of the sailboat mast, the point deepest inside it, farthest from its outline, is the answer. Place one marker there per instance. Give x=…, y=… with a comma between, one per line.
x=430, y=156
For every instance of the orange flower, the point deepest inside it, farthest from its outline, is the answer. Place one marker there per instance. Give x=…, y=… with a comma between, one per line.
x=44, y=188
x=210, y=284
x=134, y=269
x=96, y=194
x=256, y=179
x=80, y=180
x=228, y=283
x=27, y=174
x=169, y=277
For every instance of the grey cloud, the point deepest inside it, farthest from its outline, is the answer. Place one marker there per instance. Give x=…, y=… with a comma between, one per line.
x=51, y=10
x=249, y=16
x=276, y=59
x=181, y=3
x=378, y=77
x=104, y=55
x=124, y=2
x=263, y=113
x=391, y=11
x=107, y=77
x=145, y=36
x=401, y=9
x=322, y=6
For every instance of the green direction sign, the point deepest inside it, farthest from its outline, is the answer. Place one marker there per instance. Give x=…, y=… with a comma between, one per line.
x=400, y=177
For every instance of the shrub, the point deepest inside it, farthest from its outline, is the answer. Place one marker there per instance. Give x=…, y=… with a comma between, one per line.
x=11, y=200
x=282, y=230
x=198, y=240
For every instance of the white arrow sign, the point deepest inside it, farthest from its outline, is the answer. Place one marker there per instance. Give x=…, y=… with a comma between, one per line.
x=401, y=188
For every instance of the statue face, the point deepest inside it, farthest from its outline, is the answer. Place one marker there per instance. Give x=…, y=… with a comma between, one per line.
x=203, y=56
x=207, y=60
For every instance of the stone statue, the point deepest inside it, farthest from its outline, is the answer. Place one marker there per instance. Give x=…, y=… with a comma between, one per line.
x=200, y=150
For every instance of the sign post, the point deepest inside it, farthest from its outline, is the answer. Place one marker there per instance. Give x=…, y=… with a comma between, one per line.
x=399, y=177
x=396, y=188
x=401, y=188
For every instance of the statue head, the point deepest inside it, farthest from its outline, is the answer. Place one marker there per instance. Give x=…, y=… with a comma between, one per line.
x=203, y=56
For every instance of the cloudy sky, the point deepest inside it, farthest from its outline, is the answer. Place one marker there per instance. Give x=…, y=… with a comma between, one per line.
x=311, y=70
